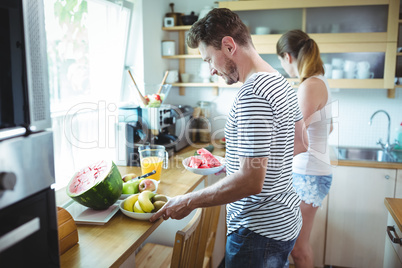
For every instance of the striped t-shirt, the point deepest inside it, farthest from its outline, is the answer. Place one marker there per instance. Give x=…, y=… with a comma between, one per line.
x=261, y=123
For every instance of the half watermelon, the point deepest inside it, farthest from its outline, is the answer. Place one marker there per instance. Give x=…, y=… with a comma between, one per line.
x=97, y=186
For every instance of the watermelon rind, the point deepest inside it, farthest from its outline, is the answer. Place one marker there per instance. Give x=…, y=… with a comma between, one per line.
x=103, y=194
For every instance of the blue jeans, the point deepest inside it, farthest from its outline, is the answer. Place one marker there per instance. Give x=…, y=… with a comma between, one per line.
x=244, y=249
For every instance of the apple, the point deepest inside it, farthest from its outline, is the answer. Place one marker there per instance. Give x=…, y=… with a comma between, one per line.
x=129, y=177
x=147, y=184
x=128, y=188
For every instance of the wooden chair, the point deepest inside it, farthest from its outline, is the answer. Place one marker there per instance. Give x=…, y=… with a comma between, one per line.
x=182, y=254
x=209, y=235
x=190, y=247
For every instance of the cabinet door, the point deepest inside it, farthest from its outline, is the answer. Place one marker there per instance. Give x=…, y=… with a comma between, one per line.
x=392, y=251
x=357, y=216
x=398, y=190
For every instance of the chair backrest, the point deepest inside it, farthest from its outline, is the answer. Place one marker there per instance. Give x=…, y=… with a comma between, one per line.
x=208, y=234
x=186, y=243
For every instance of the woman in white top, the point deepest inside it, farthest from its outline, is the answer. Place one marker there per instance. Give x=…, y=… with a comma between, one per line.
x=312, y=175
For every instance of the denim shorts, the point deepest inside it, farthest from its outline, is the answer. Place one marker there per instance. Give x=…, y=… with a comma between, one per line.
x=245, y=248
x=312, y=189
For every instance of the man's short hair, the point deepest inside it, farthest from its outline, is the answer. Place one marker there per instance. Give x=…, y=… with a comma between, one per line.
x=218, y=23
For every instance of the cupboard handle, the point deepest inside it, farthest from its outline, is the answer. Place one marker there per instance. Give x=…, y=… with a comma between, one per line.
x=19, y=234
x=395, y=239
x=387, y=177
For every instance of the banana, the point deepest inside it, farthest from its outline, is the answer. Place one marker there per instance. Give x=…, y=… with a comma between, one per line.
x=145, y=201
x=130, y=201
x=137, y=207
x=159, y=197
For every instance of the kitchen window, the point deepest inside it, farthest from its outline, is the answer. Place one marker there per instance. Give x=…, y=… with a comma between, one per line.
x=86, y=43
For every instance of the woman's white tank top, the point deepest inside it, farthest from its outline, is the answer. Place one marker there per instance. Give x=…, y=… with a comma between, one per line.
x=316, y=160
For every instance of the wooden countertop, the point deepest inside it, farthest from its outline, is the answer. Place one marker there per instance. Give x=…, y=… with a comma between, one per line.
x=111, y=244
x=394, y=206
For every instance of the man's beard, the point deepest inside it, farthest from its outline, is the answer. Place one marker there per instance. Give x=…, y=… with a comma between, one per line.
x=230, y=75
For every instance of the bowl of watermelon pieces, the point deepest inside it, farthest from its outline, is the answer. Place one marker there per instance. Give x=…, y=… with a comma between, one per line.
x=204, y=163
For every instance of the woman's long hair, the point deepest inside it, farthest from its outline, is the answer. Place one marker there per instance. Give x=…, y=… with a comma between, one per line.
x=304, y=49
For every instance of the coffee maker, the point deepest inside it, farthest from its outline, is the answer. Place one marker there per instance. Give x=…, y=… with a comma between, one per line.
x=138, y=126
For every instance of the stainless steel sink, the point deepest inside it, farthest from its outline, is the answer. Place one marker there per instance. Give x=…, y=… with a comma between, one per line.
x=368, y=154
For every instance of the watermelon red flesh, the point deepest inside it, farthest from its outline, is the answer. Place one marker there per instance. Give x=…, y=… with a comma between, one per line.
x=195, y=162
x=208, y=159
x=97, y=186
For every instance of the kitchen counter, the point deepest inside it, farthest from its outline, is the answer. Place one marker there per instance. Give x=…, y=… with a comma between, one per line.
x=394, y=206
x=362, y=163
x=111, y=244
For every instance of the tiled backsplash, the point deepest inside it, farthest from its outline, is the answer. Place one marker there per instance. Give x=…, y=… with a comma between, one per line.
x=355, y=107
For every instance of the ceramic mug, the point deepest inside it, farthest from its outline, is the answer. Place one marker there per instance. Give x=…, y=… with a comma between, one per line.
x=364, y=74
x=185, y=77
x=337, y=63
x=350, y=74
x=363, y=66
x=337, y=74
x=349, y=66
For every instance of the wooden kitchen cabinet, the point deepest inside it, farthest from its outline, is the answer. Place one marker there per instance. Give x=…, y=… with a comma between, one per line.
x=352, y=42
x=392, y=251
x=357, y=216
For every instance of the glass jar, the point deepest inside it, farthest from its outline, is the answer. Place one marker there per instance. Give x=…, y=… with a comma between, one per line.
x=204, y=126
x=205, y=108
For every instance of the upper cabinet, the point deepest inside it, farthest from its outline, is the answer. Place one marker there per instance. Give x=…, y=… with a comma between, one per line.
x=347, y=30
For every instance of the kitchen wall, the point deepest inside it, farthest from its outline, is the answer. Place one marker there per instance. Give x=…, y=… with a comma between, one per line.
x=352, y=107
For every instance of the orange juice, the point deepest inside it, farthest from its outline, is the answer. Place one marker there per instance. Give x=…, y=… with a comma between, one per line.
x=152, y=163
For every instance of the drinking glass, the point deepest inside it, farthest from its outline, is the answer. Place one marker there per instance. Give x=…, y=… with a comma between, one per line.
x=153, y=157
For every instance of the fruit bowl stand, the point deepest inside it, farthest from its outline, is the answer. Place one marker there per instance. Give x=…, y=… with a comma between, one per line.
x=119, y=238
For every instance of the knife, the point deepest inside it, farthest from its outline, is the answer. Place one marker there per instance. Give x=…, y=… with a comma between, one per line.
x=146, y=175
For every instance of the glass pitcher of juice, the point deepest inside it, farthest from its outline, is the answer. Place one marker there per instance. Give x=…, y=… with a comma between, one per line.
x=153, y=157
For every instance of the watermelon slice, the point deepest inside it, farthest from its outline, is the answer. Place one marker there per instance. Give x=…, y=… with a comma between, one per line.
x=195, y=162
x=208, y=160
x=97, y=186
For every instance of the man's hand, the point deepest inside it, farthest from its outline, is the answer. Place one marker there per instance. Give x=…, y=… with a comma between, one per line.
x=176, y=208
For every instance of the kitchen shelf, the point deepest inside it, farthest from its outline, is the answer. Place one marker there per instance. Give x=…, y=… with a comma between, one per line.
x=385, y=42
x=266, y=5
x=177, y=28
x=184, y=56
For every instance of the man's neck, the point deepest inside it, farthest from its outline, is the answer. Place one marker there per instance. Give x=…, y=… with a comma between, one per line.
x=250, y=62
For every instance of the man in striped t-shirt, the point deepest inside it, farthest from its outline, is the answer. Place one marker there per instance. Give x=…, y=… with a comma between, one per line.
x=263, y=132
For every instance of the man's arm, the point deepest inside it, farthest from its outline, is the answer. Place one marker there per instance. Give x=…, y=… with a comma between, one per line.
x=247, y=181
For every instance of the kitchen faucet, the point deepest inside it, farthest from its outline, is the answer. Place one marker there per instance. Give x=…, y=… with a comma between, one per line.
x=388, y=147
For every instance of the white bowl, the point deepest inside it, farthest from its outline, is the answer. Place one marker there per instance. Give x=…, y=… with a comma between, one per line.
x=135, y=215
x=204, y=171
x=124, y=196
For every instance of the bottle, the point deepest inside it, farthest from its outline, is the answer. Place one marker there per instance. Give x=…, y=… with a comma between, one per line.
x=399, y=137
x=203, y=122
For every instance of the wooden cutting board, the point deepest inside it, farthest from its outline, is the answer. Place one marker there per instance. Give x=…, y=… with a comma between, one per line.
x=68, y=234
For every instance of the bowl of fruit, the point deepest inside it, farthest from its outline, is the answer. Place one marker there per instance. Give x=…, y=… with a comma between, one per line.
x=156, y=100
x=142, y=206
x=205, y=163
x=133, y=184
